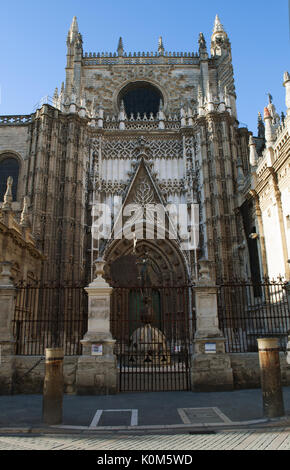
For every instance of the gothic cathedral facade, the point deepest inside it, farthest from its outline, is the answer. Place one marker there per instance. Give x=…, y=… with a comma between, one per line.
x=156, y=127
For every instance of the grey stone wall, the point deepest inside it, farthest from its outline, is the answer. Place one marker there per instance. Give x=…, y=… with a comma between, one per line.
x=33, y=381
x=14, y=138
x=246, y=370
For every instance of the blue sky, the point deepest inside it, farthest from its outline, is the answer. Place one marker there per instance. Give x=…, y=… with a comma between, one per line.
x=33, y=46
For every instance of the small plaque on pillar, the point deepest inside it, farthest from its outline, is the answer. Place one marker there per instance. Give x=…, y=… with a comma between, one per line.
x=97, y=349
x=210, y=348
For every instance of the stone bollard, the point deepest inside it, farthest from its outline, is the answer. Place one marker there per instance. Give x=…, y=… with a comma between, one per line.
x=53, y=386
x=271, y=377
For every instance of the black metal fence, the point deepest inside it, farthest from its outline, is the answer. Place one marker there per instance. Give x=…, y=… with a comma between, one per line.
x=49, y=315
x=249, y=310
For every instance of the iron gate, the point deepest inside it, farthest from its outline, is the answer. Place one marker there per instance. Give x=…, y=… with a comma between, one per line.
x=153, y=350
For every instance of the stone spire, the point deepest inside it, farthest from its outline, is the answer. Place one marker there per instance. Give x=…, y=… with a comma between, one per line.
x=74, y=58
x=160, y=46
x=286, y=84
x=55, y=98
x=8, y=198
x=74, y=26
x=218, y=27
x=120, y=47
x=220, y=43
x=261, y=127
x=61, y=97
x=24, y=219
x=74, y=39
x=74, y=29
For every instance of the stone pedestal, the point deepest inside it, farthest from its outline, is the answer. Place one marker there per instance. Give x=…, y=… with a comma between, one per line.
x=211, y=366
x=7, y=343
x=97, y=367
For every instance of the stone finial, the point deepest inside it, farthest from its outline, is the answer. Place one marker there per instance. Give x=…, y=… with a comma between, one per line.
x=99, y=281
x=160, y=46
x=240, y=176
x=120, y=48
x=286, y=77
x=287, y=87
x=267, y=113
x=5, y=273
x=204, y=271
x=8, y=198
x=122, y=107
x=182, y=116
x=199, y=94
x=99, y=268
x=201, y=41
x=93, y=108
x=122, y=116
x=282, y=117
x=269, y=128
x=24, y=218
x=253, y=152
x=73, y=96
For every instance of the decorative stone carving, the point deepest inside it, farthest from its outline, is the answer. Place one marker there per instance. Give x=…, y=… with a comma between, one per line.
x=7, y=204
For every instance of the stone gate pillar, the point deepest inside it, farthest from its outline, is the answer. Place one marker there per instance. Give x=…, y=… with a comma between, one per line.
x=211, y=366
x=97, y=367
x=7, y=342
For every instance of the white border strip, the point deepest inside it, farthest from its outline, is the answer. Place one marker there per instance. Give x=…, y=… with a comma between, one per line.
x=97, y=417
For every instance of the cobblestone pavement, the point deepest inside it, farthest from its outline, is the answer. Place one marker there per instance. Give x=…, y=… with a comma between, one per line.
x=261, y=439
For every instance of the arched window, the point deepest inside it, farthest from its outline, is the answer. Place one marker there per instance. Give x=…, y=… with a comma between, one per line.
x=140, y=97
x=9, y=166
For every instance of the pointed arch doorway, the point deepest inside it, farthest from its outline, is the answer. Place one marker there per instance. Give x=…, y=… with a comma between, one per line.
x=151, y=315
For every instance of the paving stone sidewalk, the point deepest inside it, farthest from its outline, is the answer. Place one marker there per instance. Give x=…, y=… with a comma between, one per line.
x=271, y=439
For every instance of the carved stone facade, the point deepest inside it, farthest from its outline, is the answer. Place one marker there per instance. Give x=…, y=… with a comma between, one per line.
x=86, y=148
x=17, y=245
x=266, y=187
